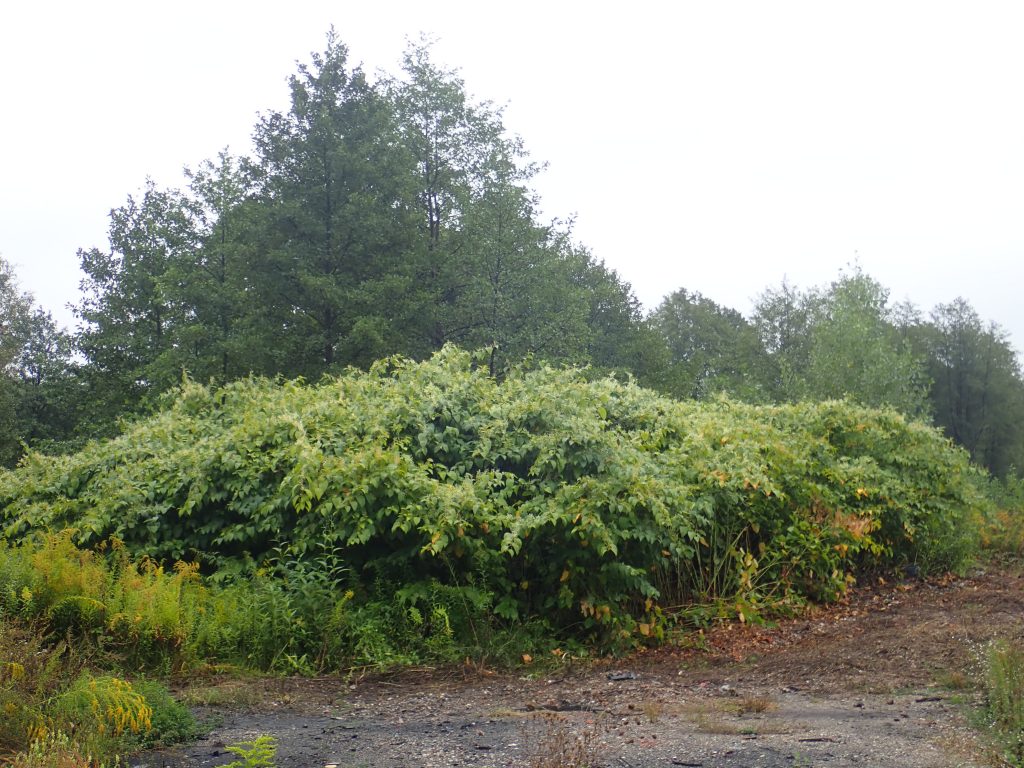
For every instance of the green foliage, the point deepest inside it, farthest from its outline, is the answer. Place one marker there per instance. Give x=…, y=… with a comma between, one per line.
x=977, y=392
x=29, y=675
x=130, y=310
x=15, y=317
x=44, y=695
x=1003, y=530
x=217, y=337
x=857, y=352
x=105, y=706
x=330, y=243
x=374, y=218
x=593, y=504
x=259, y=753
x=841, y=341
x=37, y=398
x=1005, y=699
x=171, y=722
x=55, y=750
x=712, y=349
x=132, y=609
x=281, y=617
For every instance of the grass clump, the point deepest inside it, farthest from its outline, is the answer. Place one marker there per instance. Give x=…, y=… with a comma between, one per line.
x=57, y=750
x=1005, y=699
x=560, y=746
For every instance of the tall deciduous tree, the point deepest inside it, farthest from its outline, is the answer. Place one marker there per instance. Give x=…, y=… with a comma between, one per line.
x=37, y=389
x=452, y=142
x=15, y=320
x=221, y=321
x=518, y=297
x=857, y=352
x=130, y=310
x=782, y=319
x=842, y=341
x=711, y=348
x=491, y=274
x=15, y=317
x=977, y=392
x=50, y=386
x=618, y=336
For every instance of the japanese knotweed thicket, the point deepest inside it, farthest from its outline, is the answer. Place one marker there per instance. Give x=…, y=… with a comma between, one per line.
x=594, y=505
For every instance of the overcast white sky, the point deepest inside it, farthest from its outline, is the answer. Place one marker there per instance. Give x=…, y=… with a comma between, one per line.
x=716, y=146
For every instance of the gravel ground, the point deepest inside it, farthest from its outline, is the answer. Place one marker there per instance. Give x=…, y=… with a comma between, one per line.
x=883, y=679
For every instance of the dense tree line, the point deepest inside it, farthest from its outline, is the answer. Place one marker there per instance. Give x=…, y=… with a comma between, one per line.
x=38, y=377
x=374, y=218
x=396, y=215
x=848, y=340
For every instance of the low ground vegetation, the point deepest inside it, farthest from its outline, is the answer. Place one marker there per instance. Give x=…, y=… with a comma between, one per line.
x=1005, y=699
x=59, y=710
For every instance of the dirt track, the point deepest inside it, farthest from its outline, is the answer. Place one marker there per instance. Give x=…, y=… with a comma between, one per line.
x=884, y=679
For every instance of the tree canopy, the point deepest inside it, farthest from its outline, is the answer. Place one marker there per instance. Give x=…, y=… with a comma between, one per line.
x=374, y=218
x=396, y=214
x=38, y=378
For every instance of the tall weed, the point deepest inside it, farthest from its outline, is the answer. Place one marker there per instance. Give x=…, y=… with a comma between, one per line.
x=1005, y=704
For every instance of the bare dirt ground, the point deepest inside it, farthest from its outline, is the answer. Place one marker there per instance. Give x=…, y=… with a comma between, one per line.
x=887, y=678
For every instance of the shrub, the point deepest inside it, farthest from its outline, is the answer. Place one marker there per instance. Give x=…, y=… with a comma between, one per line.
x=1003, y=530
x=593, y=506
x=276, y=617
x=45, y=693
x=105, y=705
x=171, y=722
